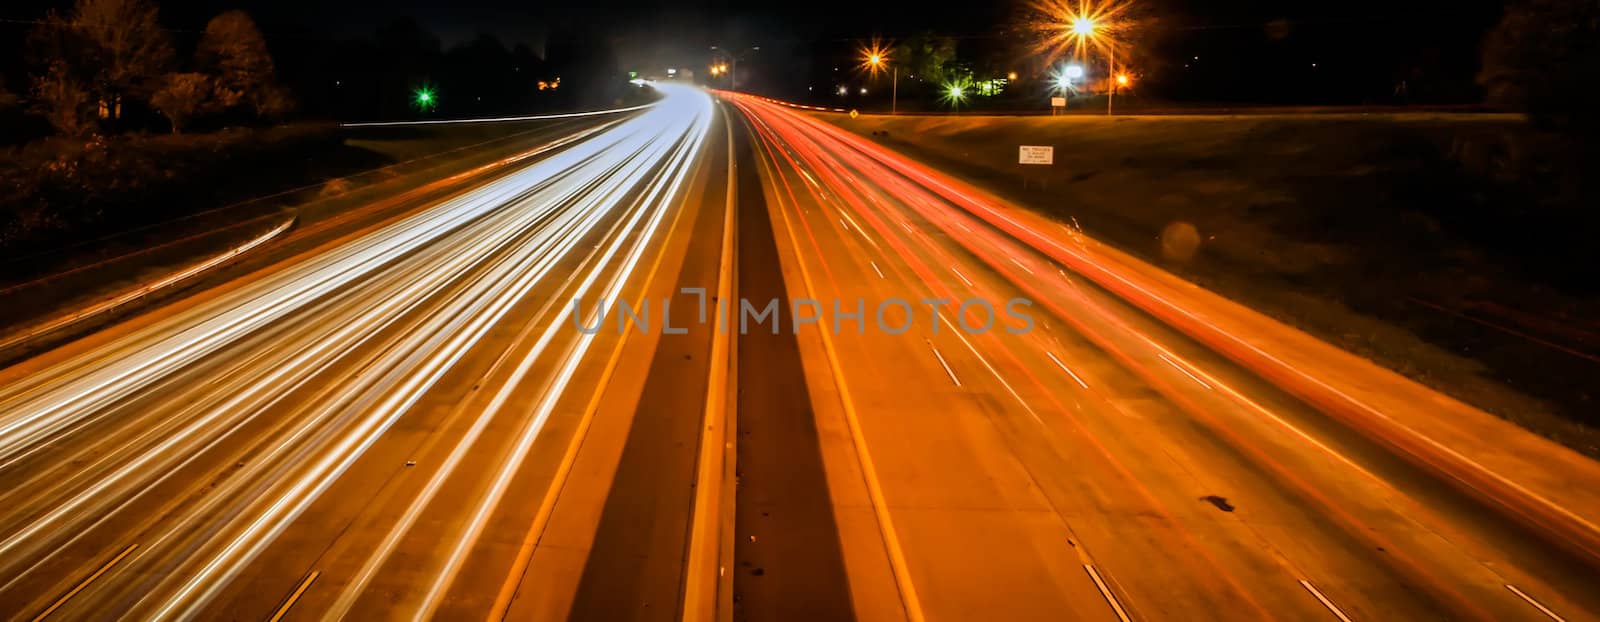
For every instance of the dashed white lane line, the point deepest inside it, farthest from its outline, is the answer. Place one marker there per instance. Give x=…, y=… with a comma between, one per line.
x=1543, y=609
x=945, y=365
x=875, y=268
x=1064, y=368
x=1106, y=592
x=961, y=276
x=1019, y=265
x=1178, y=367
x=1325, y=602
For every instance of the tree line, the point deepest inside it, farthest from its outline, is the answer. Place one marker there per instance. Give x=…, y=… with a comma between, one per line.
x=99, y=65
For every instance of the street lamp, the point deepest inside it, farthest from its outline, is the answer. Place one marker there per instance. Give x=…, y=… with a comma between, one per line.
x=732, y=66
x=876, y=57
x=1091, y=25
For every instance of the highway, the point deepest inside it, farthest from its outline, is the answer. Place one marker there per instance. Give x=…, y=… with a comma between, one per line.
x=958, y=410
x=1099, y=463
x=357, y=430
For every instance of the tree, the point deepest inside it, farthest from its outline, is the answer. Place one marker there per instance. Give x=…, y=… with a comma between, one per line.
x=124, y=49
x=1542, y=59
x=181, y=95
x=234, y=52
x=115, y=50
x=63, y=101
x=931, y=57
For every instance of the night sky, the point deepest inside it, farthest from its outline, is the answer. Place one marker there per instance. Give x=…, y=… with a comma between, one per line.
x=1250, y=50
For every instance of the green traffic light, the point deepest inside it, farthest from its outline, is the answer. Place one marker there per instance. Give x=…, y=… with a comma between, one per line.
x=424, y=99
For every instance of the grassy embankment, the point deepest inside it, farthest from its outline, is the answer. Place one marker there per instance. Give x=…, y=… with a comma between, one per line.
x=96, y=216
x=1450, y=248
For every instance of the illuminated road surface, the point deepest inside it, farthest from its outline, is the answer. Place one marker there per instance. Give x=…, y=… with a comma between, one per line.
x=352, y=421
x=1104, y=465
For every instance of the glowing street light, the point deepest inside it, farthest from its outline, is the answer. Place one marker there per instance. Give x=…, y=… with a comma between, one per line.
x=954, y=94
x=875, y=57
x=1090, y=24
x=1083, y=26
x=424, y=99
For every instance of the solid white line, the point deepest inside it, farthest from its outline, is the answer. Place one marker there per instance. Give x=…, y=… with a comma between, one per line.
x=1019, y=264
x=875, y=268
x=1535, y=603
x=1063, y=367
x=946, y=366
x=568, y=115
x=1106, y=592
x=1185, y=371
x=962, y=276
x=1325, y=602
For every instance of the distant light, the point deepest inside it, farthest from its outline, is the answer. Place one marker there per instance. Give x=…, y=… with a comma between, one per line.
x=671, y=71
x=1122, y=79
x=1011, y=76
x=424, y=99
x=955, y=91
x=1082, y=26
x=844, y=91
x=863, y=90
x=1072, y=72
x=875, y=59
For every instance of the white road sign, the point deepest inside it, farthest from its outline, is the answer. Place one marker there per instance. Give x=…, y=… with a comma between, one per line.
x=1058, y=102
x=1033, y=154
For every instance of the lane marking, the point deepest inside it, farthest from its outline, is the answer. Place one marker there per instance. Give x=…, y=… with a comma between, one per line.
x=961, y=276
x=1064, y=368
x=707, y=534
x=1019, y=264
x=568, y=115
x=1325, y=602
x=1106, y=592
x=1178, y=367
x=1535, y=603
x=85, y=583
x=298, y=592
x=946, y=366
x=869, y=473
x=875, y=268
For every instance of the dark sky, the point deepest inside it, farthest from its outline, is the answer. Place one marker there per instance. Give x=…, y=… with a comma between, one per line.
x=1382, y=39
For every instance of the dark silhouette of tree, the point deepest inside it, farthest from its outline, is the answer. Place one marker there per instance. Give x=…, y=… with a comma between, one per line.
x=410, y=58
x=480, y=75
x=586, y=66
x=180, y=96
x=233, y=51
x=1543, y=58
x=115, y=49
x=62, y=100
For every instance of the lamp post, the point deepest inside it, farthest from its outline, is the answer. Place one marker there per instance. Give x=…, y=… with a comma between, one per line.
x=732, y=66
x=876, y=59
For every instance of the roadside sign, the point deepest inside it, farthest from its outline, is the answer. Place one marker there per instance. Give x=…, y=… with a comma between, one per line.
x=1058, y=102
x=854, y=114
x=1034, y=154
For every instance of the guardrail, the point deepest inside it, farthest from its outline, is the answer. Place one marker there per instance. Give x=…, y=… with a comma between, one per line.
x=141, y=291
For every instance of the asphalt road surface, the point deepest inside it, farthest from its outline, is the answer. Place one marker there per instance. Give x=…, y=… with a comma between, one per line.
x=956, y=410
x=347, y=431
x=1092, y=462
